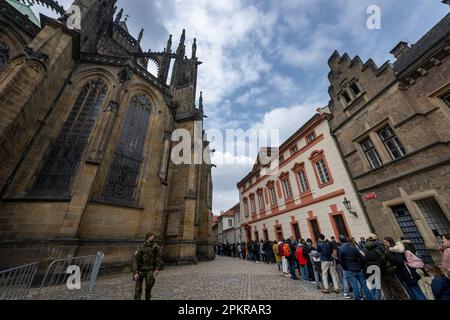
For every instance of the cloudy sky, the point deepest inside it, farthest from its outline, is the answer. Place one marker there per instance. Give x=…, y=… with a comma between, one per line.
x=265, y=61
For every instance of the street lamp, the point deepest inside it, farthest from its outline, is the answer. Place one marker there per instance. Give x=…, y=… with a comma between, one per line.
x=348, y=206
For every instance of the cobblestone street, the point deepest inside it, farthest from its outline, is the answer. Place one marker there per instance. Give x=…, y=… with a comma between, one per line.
x=222, y=279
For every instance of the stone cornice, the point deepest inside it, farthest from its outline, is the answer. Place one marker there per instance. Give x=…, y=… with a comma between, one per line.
x=121, y=62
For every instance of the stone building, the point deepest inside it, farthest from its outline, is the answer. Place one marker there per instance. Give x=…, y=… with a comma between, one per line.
x=304, y=193
x=392, y=124
x=85, y=140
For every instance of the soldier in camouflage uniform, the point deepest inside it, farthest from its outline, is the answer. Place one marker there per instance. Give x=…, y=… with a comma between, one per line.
x=146, y=266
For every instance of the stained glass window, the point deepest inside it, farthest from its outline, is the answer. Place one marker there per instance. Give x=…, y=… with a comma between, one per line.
x=121, y=183
x=65, y=153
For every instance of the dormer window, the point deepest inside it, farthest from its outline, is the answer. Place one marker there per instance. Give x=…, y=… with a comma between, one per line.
x=310, y=137
x=294, y=150
x=346, y=97
x=355, y=89
x=350, y=93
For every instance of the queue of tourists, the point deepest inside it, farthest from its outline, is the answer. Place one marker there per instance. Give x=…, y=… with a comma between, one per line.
x=371, y=269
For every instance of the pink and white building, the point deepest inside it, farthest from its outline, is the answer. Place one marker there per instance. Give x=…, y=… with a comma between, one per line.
x=308, y=194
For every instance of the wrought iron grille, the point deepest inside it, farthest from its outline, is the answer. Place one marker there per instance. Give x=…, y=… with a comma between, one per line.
x=64, y=155
x=121, y=183
x=435, y=217
x=411, y=232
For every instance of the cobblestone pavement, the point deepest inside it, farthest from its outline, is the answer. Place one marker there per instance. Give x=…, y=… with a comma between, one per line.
x=222, y=279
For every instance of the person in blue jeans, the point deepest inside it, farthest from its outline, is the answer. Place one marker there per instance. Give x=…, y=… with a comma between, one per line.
x=409, y=278
x=352, y=262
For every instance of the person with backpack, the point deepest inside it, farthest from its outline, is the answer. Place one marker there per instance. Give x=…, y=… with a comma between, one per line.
x=284, y=262
x=353, y=264
x=302, y=262
x=290, y=256
x=373, y=262
x=406, y=269
x=307, y=249
x=328, y=264
x=390, y=284
x=277, y=255
x=317, y=269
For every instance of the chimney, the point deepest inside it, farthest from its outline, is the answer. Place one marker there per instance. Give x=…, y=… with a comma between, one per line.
x=399, y=49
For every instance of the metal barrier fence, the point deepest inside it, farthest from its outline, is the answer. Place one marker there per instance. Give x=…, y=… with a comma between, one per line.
x=71, y=279
x=65, y=279
x=15, y=283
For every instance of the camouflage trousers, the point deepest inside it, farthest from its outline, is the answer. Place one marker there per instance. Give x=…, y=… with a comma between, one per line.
x=149, y=278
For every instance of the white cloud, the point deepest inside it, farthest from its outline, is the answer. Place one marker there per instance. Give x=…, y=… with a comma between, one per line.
x=226, y=32
x=286, y=120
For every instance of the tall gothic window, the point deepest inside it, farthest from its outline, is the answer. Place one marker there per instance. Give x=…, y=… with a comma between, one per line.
x=65, y=153
x=121, y=183
x=4, y=54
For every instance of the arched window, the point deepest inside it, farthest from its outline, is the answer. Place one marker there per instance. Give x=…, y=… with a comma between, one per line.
x=122, y=180
x=4, y=54
x=65, y=153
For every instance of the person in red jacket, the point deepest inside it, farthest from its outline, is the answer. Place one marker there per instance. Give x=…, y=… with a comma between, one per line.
x=302, y=262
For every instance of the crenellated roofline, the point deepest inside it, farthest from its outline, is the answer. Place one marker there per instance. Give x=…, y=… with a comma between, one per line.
x=51, y=4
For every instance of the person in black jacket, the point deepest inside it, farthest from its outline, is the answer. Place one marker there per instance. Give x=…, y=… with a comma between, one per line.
x=291, y=259
x=373, y=263
x=353, y=265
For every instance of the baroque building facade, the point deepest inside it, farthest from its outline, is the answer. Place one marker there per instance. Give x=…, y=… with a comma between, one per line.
x=304, y=193
x=85, y=140
x=392, y=126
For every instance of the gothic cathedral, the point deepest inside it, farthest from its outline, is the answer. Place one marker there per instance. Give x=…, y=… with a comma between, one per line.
x=85, y=140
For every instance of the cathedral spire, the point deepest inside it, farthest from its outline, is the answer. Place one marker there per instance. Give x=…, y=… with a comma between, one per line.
x=194, y=49
x=182, y=48
x=200, y=102
x=183, y=38
x=169, y=44
x=119, y=16
x=141, y=34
